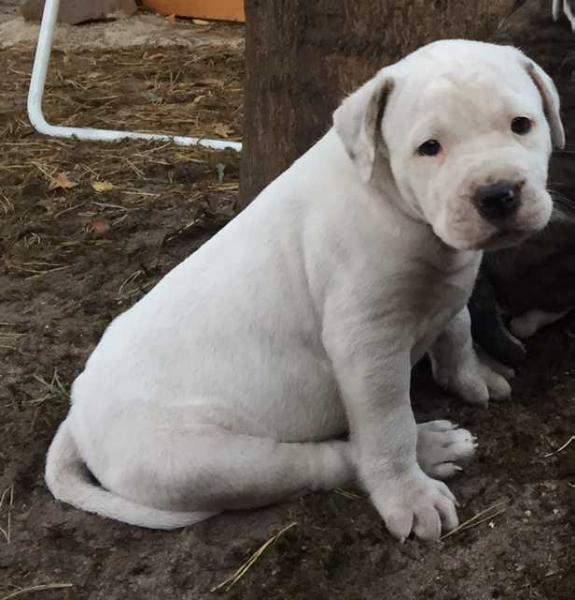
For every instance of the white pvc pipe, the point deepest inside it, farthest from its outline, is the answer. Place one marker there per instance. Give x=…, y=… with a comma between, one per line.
x=36, y=92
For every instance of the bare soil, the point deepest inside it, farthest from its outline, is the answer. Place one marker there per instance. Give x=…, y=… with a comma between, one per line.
x=85, y=230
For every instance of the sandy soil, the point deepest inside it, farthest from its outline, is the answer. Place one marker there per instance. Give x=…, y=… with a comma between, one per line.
x=75, y=252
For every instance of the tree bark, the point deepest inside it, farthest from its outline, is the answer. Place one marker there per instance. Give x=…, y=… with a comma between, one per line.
x=303, y=56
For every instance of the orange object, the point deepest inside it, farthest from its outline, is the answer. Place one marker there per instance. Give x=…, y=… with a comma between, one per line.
x=218, y=10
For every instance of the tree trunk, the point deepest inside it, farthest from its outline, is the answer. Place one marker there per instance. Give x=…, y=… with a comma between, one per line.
x=303, y=56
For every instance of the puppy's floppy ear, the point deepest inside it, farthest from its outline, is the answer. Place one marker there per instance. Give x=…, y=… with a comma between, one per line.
x=550, y=98
x=358, y=122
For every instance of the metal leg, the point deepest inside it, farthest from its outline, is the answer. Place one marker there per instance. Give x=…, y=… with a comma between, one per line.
x=36, y=92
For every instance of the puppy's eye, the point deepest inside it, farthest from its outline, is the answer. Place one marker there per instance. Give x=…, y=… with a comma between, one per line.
x=521, y=125
x=429, y=148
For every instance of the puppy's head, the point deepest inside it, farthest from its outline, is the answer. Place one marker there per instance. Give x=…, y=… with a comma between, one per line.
x=466, y=130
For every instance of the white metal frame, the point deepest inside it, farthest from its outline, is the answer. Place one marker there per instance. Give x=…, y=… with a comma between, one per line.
x=36, y=92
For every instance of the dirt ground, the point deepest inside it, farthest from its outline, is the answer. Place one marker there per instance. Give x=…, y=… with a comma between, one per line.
x=86, y=229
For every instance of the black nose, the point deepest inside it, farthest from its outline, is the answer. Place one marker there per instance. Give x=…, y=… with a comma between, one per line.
x=497, y=201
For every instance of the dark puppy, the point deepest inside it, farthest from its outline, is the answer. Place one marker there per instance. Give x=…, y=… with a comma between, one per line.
x=533, y=284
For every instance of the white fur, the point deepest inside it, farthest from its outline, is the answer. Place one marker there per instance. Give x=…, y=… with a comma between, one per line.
x=458, y=367
x=565, y=7
x=230, y=383
x=529, y=323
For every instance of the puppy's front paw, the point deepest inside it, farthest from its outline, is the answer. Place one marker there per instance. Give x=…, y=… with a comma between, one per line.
x=442, y=448
x=417, y=503
x=474, y=379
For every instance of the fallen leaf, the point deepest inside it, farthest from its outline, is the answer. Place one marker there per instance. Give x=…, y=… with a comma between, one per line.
x=171, y=18
x=222, y=130
x=200, y=22
x=102, y=186
x=98, y=226
x=61, y=182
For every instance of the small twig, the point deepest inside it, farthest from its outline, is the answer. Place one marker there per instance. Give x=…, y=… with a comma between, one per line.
x=130, y=279
x=54, y=387
x=37, y=588
x=39, y=274
x=477, y=519
x=239, y=573
x=9, y=520
x=561, y=448
x=489, y=517
x=7, y=533
x=109, y=205
x=349, y=495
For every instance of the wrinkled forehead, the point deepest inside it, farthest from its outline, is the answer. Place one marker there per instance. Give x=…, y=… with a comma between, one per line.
x=456, y=92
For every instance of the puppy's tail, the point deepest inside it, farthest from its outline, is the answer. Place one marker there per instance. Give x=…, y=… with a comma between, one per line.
x=68, y=479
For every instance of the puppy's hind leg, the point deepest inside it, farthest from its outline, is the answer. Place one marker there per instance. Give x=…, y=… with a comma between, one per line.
x=246, y=472
x=220, y=470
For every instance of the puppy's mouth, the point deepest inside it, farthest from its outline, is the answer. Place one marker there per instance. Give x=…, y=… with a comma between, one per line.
x=515, y=232
x=465, y=228
x=488, y=233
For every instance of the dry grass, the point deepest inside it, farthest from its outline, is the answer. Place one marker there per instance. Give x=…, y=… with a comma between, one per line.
x=562, y=447
x=7, y=499
x=169, y=90
x=8, y=337
x=36, y=588
x=483, y=516
x=348, y=494
x=172, y=90
x=243, y=569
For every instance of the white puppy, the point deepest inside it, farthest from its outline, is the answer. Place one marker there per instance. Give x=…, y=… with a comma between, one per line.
x=230, y=383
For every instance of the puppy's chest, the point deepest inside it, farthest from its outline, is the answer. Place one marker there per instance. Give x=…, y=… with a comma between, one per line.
x=430, y=300
x=423, y=293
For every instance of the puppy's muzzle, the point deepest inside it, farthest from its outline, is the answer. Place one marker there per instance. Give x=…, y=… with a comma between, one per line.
x=497, y=202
